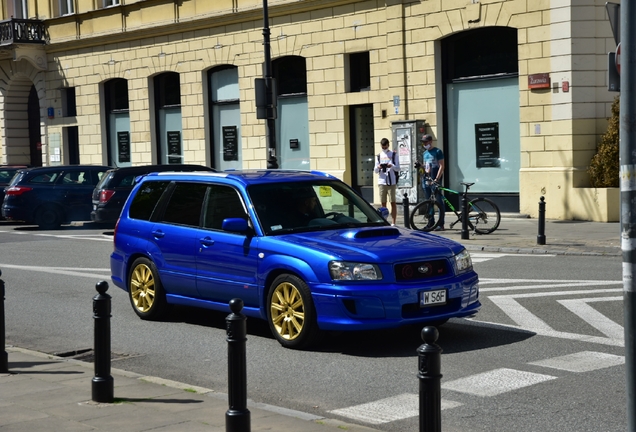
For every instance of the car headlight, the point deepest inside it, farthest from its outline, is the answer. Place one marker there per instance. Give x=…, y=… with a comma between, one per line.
x=463, y=262
x=343, y=270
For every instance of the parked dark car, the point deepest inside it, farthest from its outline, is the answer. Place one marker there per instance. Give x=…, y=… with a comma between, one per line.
x=112, y=190
x=302, y=250
x=51, y=196
x=6, y=174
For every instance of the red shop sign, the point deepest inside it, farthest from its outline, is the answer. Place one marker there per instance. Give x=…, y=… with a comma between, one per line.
x=541, y=80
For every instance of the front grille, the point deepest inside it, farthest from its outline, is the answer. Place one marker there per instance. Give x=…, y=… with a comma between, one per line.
x=419, y=270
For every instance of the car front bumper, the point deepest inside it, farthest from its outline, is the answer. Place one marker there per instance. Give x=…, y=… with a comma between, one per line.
x=372, y=307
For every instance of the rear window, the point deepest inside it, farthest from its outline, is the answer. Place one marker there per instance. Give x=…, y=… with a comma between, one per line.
x=6, y=175
x=105, y=179
x=146, y=199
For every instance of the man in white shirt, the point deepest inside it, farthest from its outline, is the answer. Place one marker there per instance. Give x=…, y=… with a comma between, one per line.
x=387, y=166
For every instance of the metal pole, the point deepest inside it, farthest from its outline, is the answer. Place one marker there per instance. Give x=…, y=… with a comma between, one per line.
x=541, y=233
x=628, y=197
x=465, y=233
x=237, y=417
x=405, y=203
x=429, y=366
x=270, y=124
x=102, y=389
x=4, y=357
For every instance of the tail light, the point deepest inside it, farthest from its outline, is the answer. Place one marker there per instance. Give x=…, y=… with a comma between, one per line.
x=17, y=190
x=105, y=195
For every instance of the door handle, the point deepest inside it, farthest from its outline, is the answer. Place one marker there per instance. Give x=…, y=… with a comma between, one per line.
x=206, y=241
x=158, y=234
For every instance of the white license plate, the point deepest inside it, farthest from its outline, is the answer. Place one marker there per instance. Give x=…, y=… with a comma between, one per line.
x=437, y=297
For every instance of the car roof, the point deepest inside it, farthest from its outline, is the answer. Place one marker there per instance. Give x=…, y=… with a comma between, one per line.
x=248, y=177
x=64, y=167
x=152, y=168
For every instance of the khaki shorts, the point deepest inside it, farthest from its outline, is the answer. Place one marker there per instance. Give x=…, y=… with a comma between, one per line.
x=387, y=190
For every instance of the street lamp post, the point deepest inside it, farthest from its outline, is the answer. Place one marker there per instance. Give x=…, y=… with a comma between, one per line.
x=270, y=127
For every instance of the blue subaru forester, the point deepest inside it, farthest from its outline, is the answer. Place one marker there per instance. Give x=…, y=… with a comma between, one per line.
x=302, y=250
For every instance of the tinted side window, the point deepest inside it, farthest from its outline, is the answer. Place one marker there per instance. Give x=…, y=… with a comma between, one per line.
x=76, y=178
x=223, y=202
x=146, y=199
x=49, y=177
x=185, y=204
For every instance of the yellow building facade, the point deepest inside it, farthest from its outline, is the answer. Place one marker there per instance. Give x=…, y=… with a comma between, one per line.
x=123, y=82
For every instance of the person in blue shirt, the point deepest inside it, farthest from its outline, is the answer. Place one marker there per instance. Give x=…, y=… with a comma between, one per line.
x=433, y=167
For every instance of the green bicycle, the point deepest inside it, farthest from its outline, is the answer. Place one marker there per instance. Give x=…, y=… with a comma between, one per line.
x=483, y=214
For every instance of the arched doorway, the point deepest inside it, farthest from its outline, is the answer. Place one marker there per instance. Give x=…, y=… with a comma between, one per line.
x=480, y=72
x=20, y=113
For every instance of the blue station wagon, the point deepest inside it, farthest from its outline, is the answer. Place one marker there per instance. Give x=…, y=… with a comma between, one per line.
x=302, y=250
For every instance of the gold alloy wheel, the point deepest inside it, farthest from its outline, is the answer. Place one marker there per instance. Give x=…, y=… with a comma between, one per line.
x=142, y=288
x=287, y=311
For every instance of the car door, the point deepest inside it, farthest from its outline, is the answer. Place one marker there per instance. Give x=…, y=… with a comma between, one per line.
x=174, y=239
x=75, y=186
x=226, y=261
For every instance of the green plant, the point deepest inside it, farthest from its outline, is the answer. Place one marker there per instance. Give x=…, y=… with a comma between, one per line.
x=604, y=167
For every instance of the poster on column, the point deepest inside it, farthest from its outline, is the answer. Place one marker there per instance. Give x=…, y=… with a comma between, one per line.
x=404, y=145
x=174, y=147
x=487, y=145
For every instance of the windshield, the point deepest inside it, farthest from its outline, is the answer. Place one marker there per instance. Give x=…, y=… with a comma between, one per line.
x=310, y=206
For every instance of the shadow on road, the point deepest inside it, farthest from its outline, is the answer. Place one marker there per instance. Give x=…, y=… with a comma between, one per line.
x=457, y=335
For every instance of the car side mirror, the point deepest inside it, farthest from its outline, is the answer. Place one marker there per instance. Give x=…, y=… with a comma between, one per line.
x=238, y=225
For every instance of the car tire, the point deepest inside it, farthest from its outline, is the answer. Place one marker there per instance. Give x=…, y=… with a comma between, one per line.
x=48, y=217
x=145, y=290
x=291, y=314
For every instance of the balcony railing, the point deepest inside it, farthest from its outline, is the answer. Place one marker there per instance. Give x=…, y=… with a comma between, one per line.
x=22, y=31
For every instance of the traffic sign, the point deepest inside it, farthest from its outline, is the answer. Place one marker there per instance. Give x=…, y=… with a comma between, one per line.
x=617, y=59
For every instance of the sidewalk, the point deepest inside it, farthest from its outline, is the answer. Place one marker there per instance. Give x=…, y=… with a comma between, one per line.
x=518, y=234
x=47, y=393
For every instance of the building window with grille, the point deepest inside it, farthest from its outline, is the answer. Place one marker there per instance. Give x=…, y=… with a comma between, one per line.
x=118, y=135
x=225, y=117
x=359, y=72
x=167, y=91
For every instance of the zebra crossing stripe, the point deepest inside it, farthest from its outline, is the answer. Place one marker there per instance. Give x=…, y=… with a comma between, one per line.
x=585, y=361
x=593, y=317
x=388, y=410
x=496, y=382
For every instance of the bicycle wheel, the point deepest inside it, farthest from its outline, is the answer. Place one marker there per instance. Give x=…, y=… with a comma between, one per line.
x=483, y=215
x=425, y=216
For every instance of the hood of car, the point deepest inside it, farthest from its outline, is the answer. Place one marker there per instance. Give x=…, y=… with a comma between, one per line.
x=383, y=244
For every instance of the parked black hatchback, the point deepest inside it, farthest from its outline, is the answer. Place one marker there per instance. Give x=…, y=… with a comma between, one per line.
x=111, y=192
x=51, y=196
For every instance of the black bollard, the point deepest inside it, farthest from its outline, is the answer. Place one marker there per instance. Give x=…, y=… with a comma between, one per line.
x=541, y=234
x=430, y=377
x=465, y=233
x=102, y=389
x=405, y=202
x=4, y=357
x=237, y=417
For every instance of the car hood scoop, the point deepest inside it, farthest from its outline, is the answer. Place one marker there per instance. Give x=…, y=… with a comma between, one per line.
x=379, y=232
